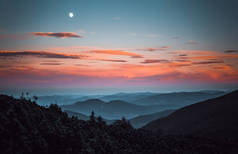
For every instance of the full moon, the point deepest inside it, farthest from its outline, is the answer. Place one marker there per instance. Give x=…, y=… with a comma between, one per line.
x=71, y=15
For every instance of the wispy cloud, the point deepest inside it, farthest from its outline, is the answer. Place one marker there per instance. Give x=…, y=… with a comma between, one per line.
x=42, y=54
x=208, y=62
x=231, y=51
x=57, y=35
x=191, y=42
x=112, y=60
x=197, y=66
x=117, y=52
x=151, y=61
x=183, y=55
x=51, y=63
x=154, y=49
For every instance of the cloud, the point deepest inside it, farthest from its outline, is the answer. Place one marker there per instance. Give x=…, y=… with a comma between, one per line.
x=113, y=60
x=183, y=55
x=191, y=42
x=208, y=62
x=57, y=35
x=149, y=61
x=231, y=51
x=42, y=54
x=153, y=49
x=79, y=75
x=117, y=52
x=51, y=63
x=150, y=49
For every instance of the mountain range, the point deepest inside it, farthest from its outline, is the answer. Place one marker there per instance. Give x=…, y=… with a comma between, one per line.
x=173, y=99
x=111, y=110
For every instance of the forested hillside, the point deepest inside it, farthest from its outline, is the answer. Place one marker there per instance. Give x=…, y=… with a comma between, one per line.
x=26, y=127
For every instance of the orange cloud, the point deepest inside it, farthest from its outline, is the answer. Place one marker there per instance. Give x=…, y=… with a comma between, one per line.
x=112, y=60
x=207, y=66
x=117, y=52
x=58, y=35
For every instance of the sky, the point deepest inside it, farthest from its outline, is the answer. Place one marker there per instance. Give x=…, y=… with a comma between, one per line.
x=118, y=45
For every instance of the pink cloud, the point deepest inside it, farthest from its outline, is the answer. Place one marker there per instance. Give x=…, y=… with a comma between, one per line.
x=57, y=35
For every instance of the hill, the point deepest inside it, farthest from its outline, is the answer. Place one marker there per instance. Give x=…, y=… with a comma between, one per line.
x=76, y=114
x=127, y=97
x=214, y=117
x=177, y=99
x=111, y=110
x=140, y=121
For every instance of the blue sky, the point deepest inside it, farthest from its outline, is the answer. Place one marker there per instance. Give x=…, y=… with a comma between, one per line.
x=211, y=23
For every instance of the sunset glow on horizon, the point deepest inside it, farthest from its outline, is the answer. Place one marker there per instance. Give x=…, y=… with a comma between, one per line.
x=140, y=45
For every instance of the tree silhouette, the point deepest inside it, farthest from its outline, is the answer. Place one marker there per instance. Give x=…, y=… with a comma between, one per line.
x=92, y=117
x=35, y=98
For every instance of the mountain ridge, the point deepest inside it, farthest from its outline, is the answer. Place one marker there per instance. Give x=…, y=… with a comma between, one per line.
x=210, y=117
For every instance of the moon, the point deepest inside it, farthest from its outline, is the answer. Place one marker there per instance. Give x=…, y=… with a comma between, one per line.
x=71, y=14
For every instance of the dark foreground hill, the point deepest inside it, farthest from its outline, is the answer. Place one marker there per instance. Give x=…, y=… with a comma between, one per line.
x=214, y=117
x=140, y=121
x=28, y=128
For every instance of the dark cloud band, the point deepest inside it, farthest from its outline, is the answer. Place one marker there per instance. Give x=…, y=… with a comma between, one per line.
x=57, y=35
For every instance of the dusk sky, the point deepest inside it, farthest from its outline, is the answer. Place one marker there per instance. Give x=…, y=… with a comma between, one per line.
x=119, y=45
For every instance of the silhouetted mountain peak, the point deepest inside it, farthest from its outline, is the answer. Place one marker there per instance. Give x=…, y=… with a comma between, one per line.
x=91, y=101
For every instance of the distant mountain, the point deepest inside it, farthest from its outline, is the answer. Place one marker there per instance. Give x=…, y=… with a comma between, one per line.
x=60, y=99
x=140, y=121
x=128, y=97
x=213, y=117
x=111, y=110
x=165, y=101
x=177, y=99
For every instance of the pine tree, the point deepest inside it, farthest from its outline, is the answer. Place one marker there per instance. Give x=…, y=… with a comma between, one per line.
x=92, y=117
